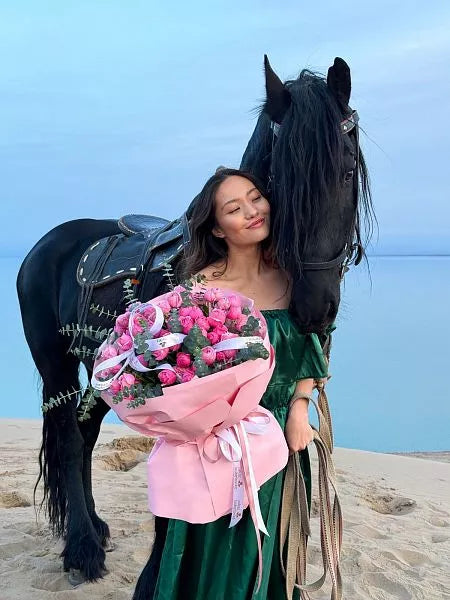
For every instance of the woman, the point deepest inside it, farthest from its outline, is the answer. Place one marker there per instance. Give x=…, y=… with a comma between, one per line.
x=230, y=245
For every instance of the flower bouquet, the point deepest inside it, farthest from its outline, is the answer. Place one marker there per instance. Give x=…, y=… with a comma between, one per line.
x=190, y=367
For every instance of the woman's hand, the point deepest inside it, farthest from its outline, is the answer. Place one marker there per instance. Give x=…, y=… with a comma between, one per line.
x=298, y=431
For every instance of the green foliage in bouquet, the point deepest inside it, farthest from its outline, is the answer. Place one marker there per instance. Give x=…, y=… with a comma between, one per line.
x=195, y=341
x=173, y=322
x=139, y=392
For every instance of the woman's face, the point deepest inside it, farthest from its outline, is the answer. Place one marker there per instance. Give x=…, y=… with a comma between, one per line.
x=242, y=213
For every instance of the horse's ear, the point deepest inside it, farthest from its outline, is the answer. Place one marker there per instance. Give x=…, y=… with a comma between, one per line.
x=339, y=81
x=278, y=98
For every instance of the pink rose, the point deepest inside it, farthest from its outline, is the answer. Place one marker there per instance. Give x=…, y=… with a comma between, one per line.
x=196, y=312
x=149, y=314
x=115, y=369
x=223, y=304
x=136, y=326
x=208, y=355
x=175, y=300
x=202, y=322
x=184, y=375
x=213, y=337
x=185, y=311
x=183, y=359
x=164, y=306
x=124, y=342
x=167, y=377
x=142, y=360
x=161, y=354
x=210, y=295
x=127, y=380
x=187, y=324
x=115, y=387
x=220, y=329
x=220, y=356
x=219, y=294
x=234, y=301
x=122, y=323
x=104, y=374
x=109, y=352
x=234, y=312
x=217, y=316
x=179, y=288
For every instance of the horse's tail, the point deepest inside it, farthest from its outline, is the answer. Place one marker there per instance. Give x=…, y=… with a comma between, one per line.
x=37, y=289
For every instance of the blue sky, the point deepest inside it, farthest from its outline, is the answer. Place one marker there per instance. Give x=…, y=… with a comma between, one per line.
x=114, y=107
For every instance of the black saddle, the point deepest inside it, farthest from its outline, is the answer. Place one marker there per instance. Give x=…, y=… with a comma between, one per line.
x=147, y=242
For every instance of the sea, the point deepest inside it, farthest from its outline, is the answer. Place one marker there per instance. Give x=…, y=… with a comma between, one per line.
x=390, y=358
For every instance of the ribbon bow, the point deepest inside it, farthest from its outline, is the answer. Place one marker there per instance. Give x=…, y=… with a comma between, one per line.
x=233, y=444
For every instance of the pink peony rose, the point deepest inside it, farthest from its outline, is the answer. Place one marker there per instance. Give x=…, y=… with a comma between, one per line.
x=124, y=342
x=122, y=323
x=220, y=329
x=108, y=352
x=202, y=322
x=223, y=304
x=234, y=301
x=179, y=288
x=210, y=295
x=208, y=355
x=234, y=312
x=174, y=299
x=161, y=354
x=167, y=377
x=187, y=324
x=127, y=380
x=220, y=356
x=149, y=314
x=185, y=311
x=136, y=326
x=115, y=387
x=184, y=375
x=213, y=337
x=164, y=306
x=142, y=360
x=217, y=316
x=183, y=359
x=196, y=312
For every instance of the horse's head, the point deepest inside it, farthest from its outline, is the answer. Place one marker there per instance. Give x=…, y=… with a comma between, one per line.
x=306, y=146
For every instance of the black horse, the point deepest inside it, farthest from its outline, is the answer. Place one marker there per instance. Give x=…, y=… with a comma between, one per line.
x=305, y=147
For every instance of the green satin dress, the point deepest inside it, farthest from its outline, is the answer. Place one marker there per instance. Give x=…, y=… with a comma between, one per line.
x=212, y=561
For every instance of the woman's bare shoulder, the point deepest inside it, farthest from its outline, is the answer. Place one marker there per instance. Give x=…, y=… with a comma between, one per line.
x=212, y=275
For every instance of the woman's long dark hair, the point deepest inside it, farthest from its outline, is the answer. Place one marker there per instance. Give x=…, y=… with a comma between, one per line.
x=204, y=247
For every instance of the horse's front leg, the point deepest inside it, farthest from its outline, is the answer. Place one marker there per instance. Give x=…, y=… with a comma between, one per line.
x=83, y=554
x=90, y=430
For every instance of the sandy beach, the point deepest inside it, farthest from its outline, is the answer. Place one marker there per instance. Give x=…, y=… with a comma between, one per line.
x=396, y=521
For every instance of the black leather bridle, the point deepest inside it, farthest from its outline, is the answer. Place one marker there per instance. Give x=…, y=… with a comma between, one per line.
x=349, y=251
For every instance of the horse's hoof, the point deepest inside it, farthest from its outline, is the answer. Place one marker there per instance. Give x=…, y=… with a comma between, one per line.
x=109, y=545
x=76, y=577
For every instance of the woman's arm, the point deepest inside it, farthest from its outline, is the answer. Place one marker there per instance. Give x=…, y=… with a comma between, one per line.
x=298, y=431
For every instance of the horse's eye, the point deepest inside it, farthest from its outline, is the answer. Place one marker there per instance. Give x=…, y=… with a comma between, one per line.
x=349, y=175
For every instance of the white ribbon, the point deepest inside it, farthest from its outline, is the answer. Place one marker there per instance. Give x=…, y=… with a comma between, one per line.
x=230, y=446
x=129, y=356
